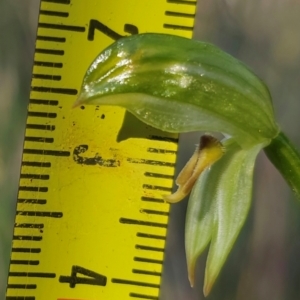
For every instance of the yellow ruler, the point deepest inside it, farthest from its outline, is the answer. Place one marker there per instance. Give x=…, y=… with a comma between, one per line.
x=91, y=223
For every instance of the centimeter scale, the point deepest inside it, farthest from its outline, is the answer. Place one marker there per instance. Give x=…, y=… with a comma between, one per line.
x=90, y=222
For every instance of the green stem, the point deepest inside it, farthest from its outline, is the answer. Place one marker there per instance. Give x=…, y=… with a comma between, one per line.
x=286, y=159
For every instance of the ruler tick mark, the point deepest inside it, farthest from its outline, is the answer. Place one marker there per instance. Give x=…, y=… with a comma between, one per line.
x=46, y=77
x=40, y=127
x=143, y=223
x=25, y=262
x=27, y=238
x=148, y=260
x=131, y=282
x=34, y=176
x=22, y=286
x=157, y=187
x=33, y=201
x=179, y=14
x=154, y=212
x=62, y=27
x=44, y=102
x=48, y=64
x=26, y=250
x=147, y=248
x=54, y=13
x=46, y=214
x=47, y=38
x=44, y=89
x=32, y=274
x=142, y=296
x=37, y=139
x=47, y=152
x=20, y=298
x=186, y=2
x=58, y=1
x=49, y=51
x=150, y=236
x=29, y=225
x=178, y=27
x=42, y=189
x=145, y=272
x=150, y=199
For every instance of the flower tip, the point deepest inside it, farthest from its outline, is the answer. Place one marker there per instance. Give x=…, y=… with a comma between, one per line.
x=191, y=278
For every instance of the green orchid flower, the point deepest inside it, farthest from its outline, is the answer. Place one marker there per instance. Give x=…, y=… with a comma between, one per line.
x=181, y=85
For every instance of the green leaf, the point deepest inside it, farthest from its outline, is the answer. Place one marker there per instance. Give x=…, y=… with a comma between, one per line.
x=217, y=209
x=180, y=85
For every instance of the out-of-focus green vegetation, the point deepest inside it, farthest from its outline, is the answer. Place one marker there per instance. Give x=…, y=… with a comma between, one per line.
x=265, y=262
x=18, y=22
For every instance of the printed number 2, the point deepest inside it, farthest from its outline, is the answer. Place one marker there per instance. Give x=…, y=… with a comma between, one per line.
x=95, y=24
x=92, y=278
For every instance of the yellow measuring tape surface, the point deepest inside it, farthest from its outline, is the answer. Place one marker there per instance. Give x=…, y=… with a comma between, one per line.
x=91, y=223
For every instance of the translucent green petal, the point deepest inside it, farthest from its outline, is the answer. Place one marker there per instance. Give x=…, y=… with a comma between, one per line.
x=217, y=209
x=180, y=85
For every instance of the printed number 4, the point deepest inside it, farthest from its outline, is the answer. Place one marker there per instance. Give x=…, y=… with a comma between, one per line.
x=95, y=24
x=92, y=278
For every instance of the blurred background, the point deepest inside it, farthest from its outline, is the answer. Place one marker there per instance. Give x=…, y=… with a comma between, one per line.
x=265, y=262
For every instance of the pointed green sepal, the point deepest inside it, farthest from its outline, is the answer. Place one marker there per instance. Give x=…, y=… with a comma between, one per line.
x=181, y=85
x=217, y=209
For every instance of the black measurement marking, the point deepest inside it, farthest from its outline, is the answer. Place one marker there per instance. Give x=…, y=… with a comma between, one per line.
x=62, y=27
x=143, y=223
x=32, y=274
x=150, y=162
x=46, y=214
x=182, y=2
x=48, y=64
x=95, y=278
x=154, y=212
x=148, y=260
x=157, y=175
x=150, y=199
x=178, y=27
x=147, y=248
x=163, y=139
x=58, y=1
x=27, y=238
x=20, y=298
x=52, y=90
x=95, y=24
x=29, y=225
x=54, y=13
x=42, y=189
x=157, y=188
x=49, y=51
x=33, y=201
x=150, y=236
x=179, y=14
x=144, y=272
x=38, y=139
x=36, y=164
x=26, y=250
x=131, y=282
x=142, y=296
x=25, y=262
x=47, y=152
x=92, y=161
x=42, y=114
x=22, y=286
x=46, y=76
x=44, y=102
x=40, y=127
x=51, y=39
x=162, y=151
x=35, y=176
